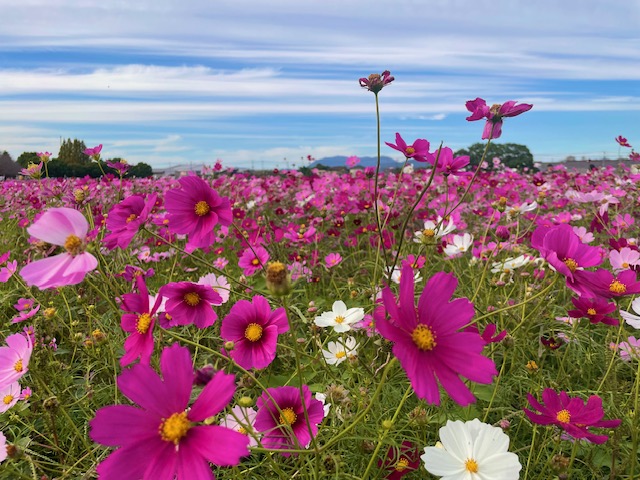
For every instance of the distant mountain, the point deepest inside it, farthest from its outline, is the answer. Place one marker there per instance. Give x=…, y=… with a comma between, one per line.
x=385, y=162
x=340, y=161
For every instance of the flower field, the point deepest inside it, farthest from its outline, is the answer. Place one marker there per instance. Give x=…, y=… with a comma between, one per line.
x=451, y=322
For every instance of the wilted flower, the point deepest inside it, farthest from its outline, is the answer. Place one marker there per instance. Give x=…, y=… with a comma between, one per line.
x=375, y=82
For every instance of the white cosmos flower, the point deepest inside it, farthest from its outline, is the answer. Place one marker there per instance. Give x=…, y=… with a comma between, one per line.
x=432, y=231
x=397, y=274
x=510, y=264
x=338, y=352
x=472, y=451
x=460, y=244
x=340, y=318
x=630, y=318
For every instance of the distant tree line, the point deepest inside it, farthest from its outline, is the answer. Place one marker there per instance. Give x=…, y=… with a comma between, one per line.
x=512, y=155
x=72, y=162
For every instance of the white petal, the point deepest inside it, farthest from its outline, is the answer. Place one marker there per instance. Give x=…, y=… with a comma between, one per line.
x=631, y=319
x=438, y=461
x=339, y=307
x=456, y=440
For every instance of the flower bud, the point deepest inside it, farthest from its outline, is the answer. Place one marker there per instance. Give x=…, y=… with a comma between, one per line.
x=278, y=279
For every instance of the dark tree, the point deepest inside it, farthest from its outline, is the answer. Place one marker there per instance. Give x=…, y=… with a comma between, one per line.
x=26, y=158
x=140, y=170
x=511, y=154
x=72, y=152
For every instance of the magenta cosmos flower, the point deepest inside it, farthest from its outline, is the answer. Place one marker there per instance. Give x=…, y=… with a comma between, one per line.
x=125, y=219
x=165, y=439
x=66, y=228
x=254, y=329
x=447, y=164
x=419, y=150
x=623, y=142
x=139, y=323
x=603, y=283
x=427, y=340
x=494, y=115
x=195, y=208
x=570, y=414
x=281, y=418
x=375, y=82
x=595, y=309
x=253, y=259
x=190, y=303
x=14, y=358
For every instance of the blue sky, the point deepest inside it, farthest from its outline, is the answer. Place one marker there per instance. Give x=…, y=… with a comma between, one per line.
x=254, y=82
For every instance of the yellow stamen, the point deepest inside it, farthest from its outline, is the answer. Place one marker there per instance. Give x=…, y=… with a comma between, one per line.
x=471, y=465
x=563, y=416
x=255, y=262
x=424, y=338
x=18, y=366
x=340, y=354
x=288, y=417
x=591, y=311
x=7, y=399
x=73, y=245
x=428, y=232
x=192, y=299
x=410, y=151
x=617, y=287
x=339, y=319
x=142, y=323
x=253, y=332
x=402, y=465
x=202, y=208
x=131, y=217
x=174, y=428
x=571, y=264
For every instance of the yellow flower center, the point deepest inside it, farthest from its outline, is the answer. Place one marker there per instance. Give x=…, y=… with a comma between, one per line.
x=428, y=232
x=571, y=264
x=591, y=311
x=7, y=399
x=402, y=465
x=617, y=287
x=142, y=323
x=625, y=265
x=341, y=354
x=424, y=338
x=202, y=208
x=192, y=299
x=255, y=262
x=253, y=332
x=131, y=218
x=73, y=245
x=174, y=428
x=339, y=319
x=563, y=416
x=410, y=150
x=471, y=465
x=288, y=417
x=242, y=430
x=18, y=366
x=495, y=108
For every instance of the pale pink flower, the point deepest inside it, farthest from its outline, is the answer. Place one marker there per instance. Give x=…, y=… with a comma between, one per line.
x=624, y=259
x=66, y=228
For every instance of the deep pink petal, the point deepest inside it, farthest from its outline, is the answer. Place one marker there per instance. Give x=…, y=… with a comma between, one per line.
x=215, y=396
x=142, y=385
x=219, y=445
x=128, y=463
x=177, y=373
x=121, y=425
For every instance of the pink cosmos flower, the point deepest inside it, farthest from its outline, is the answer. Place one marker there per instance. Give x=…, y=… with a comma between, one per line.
x=254, y=329
x=419, y=150
x=94, y=152
x=166, y=438
x=628, y=350
x=33, y=170
x=190, y=303
x=603, y=283
x=427, y=340
x=125, y=219
x=332, y=260
x=139, y=323
x=447, y=165
x=595, y=309
x=14, y=358
x=242, y=420
x=634, y=156
x=622, y=141
x=219, y=284
x=9, y=395
x=564, y=250
x=7, y=272
x=624, y=259
x=494, y=115
x=44, y=156
x=281, y=418
x=3, y=447
x=253, y=259
x=374, y=82
x=352, y=161
x=26, y=308
x=67, y=228
x=195, y=208
x=571, y=414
